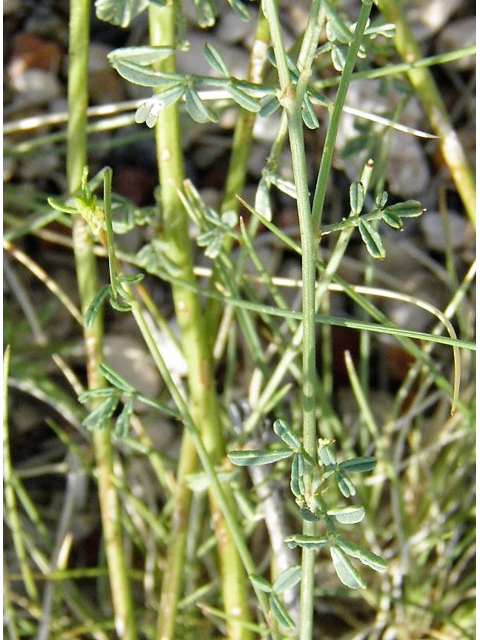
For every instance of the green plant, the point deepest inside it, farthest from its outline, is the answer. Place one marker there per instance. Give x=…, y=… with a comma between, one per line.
x=310, y=445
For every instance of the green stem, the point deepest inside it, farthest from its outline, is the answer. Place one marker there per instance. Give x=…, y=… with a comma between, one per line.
x=218, y=491
x=292, y=103
x=203, y=396
x=427, y=92
x=87, y=282
x=329, y=146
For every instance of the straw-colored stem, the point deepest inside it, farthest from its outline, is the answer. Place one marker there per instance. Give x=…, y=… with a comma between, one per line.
x=203, y=397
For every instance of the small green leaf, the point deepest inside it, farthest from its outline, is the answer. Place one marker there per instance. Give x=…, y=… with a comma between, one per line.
x=269, y=104
x=305, y=542
x=95, y=305
x=325, y=453
x=307, y=515
x=144, y=76
x=371, y=560
x=284, y=432
x=392, y=219
x=285, y=186
x=345, y=484
x=357, y=197
x=63, y=208
x=98, y=417
x=242, y=98
x=408, y=209
x=215, y=59
x=345, y=570
x=196, y=109
x=257, y=457
x=309, y=116
x=347, y=515
x=381, y=199
x=280, y=613
x=287, y=579
x=90, y=394
x=368, y=558
x=116, y=379
x=140, y=55
x=260, y=583
x=122, y=423
x=358, y=465
x=262, y=200
x=339, y=57
x=239, y=9
x=206, y=11
x=119, y=12
x=296, y=478
x=371, y=238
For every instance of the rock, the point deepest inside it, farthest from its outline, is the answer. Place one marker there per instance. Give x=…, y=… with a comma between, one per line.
x=104, y=83
x=456, y=35
x=35, y=87
x=432, y=226
x=193, y=60
x=29, y=51
x=407, y=169
x=427, y=18
x=130, y=358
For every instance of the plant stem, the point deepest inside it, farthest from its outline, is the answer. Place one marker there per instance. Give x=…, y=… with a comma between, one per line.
x=87, y=282
x=292, y=103
x=427, y=92
x=329, y=146
x=203, y=397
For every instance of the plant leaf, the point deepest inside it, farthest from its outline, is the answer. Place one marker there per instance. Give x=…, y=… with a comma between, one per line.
x=196, y=109
x=122, y=423
x=280, y=613
x=140, y=55
x=95, y=305
x=345, y=570
x=243, y=99
x=262, y=200
x=215, y=60
x=269, y=104
x=347, y=515
x=407, y=209
x=239, y=9
x=287, y=579
x=116, y=379
x=98, y=417
x=260, y=583
x=284, y=432
x=206, y=11
x=357, y=197
x=371, y=238
x=358, y=465
x=119, y=12
x=325, y=453
x=392, y=219
x=144, y=76
x=296, y=479
x=309, y=116
x=306, y=542
x=257, y=457
x=345, y=484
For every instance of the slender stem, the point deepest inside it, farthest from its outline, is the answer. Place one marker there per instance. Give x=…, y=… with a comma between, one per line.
x=219, y=491
x=427, y=92
x=292, y=103
x=203, y=396
x=87, y=282
x=329, y=146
